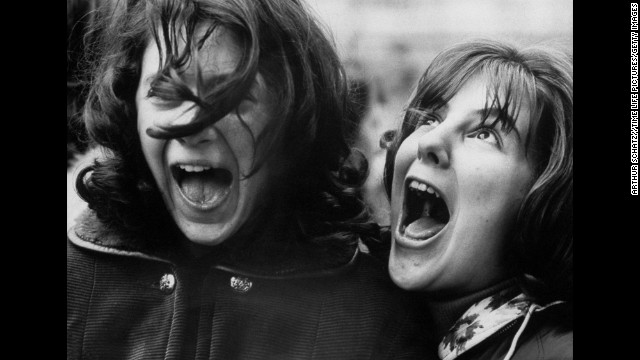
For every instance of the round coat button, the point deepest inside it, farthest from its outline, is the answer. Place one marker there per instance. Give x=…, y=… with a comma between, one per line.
x=167, y=283
x=240, y=284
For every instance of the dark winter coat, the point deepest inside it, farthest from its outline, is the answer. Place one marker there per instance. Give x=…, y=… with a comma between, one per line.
x=125, y=303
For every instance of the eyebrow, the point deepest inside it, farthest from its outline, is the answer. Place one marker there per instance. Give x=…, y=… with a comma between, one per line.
x=207, y=76
x=495, y=112
x=189, y=77
x=420, y=111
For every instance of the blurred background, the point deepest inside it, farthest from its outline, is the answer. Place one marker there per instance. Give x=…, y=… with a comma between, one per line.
x=385, y=46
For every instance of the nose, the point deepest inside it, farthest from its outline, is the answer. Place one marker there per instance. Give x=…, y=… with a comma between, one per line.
x=203, y=137
x=434, y=148
x=207, y=135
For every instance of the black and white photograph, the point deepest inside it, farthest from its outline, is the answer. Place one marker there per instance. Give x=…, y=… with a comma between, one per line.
x=323, y=179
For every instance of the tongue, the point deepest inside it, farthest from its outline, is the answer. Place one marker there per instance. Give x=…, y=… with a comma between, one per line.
x=423, y=228
x=202, y=187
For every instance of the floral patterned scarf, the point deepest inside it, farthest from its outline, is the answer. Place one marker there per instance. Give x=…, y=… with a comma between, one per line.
x=484, y=319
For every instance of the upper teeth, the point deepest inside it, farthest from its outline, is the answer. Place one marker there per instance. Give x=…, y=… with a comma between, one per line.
x=194, y=168
x=419, y=186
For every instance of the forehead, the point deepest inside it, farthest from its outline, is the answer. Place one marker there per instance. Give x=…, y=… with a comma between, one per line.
x=219, y=53
x=472, y=95
x=484, y=93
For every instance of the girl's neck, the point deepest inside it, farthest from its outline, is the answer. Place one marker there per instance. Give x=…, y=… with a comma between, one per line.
x=445, y=311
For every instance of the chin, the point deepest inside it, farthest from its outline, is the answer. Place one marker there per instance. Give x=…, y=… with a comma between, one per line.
x=206, y=234
x=404, y=279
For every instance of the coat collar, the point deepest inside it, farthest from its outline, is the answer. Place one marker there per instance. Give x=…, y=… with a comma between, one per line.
x=485, y=318
x=92, y=234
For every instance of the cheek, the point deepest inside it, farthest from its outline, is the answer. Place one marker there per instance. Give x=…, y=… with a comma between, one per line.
x=243, y=138
x=400, y=167
x=406, y=155
x=242, y=148
x=492, y=202
x=152, y=149
x=494, y=180
x=144, y=120
x=148, y=144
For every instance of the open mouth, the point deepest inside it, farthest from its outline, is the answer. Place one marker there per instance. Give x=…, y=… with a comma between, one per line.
x=204, y=186
x=425, y=212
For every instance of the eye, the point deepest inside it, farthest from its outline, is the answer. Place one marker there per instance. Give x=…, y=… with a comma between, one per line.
x=429, y=120
x=488, y=135
x=160, y=101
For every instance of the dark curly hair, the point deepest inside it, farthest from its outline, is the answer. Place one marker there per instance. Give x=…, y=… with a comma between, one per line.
x=541, y=249
x=320, y=191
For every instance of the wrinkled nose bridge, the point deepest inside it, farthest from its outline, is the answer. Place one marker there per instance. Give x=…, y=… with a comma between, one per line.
x=208, y=134
x=435, y=145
